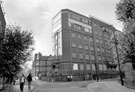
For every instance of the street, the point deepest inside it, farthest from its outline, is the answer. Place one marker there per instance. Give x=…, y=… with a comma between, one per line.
x=81, y=86
x=62, y=90
x=61, y=87
x=39, y=86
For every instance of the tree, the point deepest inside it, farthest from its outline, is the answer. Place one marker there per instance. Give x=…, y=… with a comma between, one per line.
x=17, y=47
x=125, y=12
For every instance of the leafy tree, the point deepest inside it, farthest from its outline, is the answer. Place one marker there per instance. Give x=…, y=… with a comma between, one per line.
x=17, y=47
x=125, y=12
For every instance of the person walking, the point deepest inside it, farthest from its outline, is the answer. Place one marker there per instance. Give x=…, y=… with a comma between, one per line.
x=22, y=81
x=14, y=80
x=29, y=79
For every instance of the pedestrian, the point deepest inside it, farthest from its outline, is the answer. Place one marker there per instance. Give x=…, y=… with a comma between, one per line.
x=14, y=80
x=29, y=79
x=22, y=81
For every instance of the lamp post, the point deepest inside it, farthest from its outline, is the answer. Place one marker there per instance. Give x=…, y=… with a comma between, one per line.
x=116, y=44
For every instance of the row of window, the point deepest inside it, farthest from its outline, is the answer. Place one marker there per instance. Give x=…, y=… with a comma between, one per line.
x=74, y=35
x=80, y=46
x=101, y=33
x=79, y=18
x=80, y=27
x=89, y=67
x=86, y=56
x=88, y=22
x=102, y=30
x=74, y=55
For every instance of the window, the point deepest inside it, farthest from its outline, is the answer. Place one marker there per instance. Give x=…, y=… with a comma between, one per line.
x=93, y=67
x=104, y=67
x=97, y=40
x=73, y=55
x=73, y=45
x=37, y=63
x=73, y=34
x=90, y=30
x=101, y=41
x=85, y=21
x=85, y=38
x=88, y=67
x=78, y=18
x=100, y=67
x=94, y=24
x=75, y=66
x=70, y=24
x=37, y=69
x=81, y=56
x=56, y=24
x=103, y=58
x=99, y=57
x=81, y=67
x=109, y=59
x=86, y=29
x=76, y=26
x=102, y=50
x=98, y=49
x=86, y=56
x=73, y=16
x=100, y=33
x=79, y=36
x=91, y=48
x=106, y=35
x=92, y=57
x=91, y=39
x=86, y=47
x=80, y=46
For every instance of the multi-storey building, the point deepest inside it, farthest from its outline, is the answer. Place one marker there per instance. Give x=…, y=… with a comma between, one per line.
x=42, y=65
x=81, y=45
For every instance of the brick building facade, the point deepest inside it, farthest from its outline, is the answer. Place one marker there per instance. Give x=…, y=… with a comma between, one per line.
x=82, y=45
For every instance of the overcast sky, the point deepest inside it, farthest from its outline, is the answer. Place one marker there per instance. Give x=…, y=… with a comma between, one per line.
x=36, y=15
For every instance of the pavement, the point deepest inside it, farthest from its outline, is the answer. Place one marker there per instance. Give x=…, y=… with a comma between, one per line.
x=82, y=86
x=108, y=86
x=61, y=90
x=16, y=88
x=77, y=84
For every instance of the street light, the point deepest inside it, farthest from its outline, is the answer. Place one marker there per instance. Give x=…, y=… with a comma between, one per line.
x=116, y=44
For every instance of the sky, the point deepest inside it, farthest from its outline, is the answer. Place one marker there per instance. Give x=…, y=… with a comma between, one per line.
x=36, y=16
